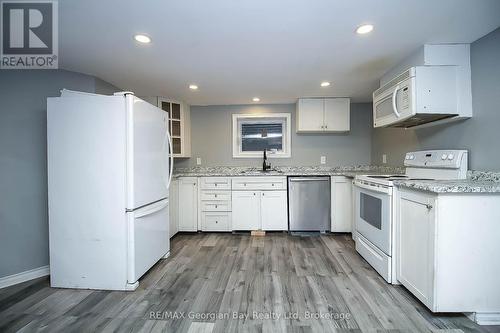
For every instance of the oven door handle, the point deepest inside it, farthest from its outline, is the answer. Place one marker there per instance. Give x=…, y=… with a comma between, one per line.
x=387, y=190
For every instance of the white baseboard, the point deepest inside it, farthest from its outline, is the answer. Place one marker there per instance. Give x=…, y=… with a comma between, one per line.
x=24, y=276
x=484, y=318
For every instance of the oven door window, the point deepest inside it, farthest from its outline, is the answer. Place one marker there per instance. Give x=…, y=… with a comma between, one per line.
x=371, y=210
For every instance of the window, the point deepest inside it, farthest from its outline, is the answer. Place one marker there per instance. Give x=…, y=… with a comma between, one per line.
x=254, y=133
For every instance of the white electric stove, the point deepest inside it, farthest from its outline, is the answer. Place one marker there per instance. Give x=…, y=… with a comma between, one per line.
x=375, y=204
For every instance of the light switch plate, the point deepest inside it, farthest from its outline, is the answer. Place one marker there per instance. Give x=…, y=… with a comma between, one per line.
x=198, y=161
x=384, y=158
x=323, y=160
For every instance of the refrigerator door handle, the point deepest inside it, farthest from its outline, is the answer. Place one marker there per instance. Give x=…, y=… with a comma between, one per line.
x=151, y=209
x=171, y=153
x=168, y=139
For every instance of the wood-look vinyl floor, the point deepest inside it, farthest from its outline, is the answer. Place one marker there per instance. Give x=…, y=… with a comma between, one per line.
x=215, y=282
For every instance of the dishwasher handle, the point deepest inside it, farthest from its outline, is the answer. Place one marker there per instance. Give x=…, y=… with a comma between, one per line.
x=309, y=179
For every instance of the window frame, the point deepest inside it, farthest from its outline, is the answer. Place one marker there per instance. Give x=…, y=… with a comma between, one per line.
x=256, y=118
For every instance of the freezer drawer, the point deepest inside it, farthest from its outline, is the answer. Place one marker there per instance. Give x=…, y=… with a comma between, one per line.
x=309, y=203
x=149, y=238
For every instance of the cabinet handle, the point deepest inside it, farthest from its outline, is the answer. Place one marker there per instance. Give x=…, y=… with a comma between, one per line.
x=216, y=221
x=262, y=193
x=215, y=206
x=429, y=207
x=215, y=184
x=272, y=184
x=254, y=194
x=215, y=195
x=326, y=126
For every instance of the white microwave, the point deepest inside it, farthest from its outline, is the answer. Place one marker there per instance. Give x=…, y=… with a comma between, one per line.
x=420, y=95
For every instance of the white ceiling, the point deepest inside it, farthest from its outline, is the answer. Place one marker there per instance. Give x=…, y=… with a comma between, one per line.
x=275, y=49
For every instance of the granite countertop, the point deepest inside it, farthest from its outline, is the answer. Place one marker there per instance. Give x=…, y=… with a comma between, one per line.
x=476, y=182
x=224, y=171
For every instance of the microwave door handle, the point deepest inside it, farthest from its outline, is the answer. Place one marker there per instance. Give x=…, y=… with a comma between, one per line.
x=394, y=107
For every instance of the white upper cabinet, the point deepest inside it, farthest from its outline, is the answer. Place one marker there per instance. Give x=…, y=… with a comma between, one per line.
x=337, y=114
x=323, y=115
x=310, y=115
x=179, y=121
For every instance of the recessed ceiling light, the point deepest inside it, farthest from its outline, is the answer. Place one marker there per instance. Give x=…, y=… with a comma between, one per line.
x=142, y=39
x=364, y=29
x=193, y=87
x=256, y=99
x=325, y=84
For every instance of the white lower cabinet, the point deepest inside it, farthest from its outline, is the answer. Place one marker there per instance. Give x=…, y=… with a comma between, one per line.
x=215, y=204
x=447, y=247
x=341, y=204
x=174, y=207
x=416, y=250
x=246, y=210
x=188, y=204
x=273, y=210
x=260, y=210
x=215, y=221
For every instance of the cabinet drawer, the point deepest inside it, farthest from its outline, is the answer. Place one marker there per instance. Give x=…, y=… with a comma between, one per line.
x=216, y=206
x=215, y=183
x=211, y=221
x=259, y=183
x=376, y=258
x=215, y=195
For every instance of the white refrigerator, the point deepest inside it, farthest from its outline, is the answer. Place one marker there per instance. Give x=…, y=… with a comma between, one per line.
x=109, y=173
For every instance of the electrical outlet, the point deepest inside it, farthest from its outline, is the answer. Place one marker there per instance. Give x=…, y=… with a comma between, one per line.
x=323, y=160
x=384, y=158
x=198, y=161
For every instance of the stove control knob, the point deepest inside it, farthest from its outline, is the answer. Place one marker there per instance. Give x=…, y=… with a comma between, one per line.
x=407, y=157
x=444, y=156
x=450, y=156
x=412, y=157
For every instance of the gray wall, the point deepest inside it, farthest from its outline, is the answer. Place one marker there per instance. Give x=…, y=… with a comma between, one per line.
x=23, y=162
x=480, y=134
x=211, y=128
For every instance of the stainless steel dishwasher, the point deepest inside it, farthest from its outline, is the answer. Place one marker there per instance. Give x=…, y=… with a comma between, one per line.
x=309, y=203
